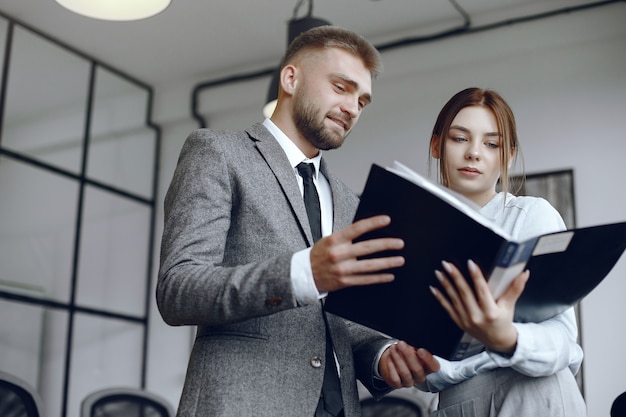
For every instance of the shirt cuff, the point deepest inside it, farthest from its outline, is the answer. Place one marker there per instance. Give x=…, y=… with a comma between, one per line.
x=302, y=278
x=524, y=340
x=375, y=371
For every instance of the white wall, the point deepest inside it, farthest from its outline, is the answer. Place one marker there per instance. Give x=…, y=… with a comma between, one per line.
x=565, y=78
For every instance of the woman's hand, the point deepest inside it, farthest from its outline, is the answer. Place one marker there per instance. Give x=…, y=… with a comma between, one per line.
x=475, y=311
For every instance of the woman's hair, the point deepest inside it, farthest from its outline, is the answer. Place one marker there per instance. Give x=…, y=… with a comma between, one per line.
x=323, y=37
x=494, y=102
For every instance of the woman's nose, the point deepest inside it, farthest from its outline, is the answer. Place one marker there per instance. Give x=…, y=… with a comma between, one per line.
x=472, y=154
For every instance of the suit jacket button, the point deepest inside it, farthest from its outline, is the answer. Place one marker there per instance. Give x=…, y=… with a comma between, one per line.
x=273, y=301
x=316, y=362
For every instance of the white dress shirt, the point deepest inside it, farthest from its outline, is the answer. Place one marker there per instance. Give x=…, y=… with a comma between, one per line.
x=301, y=274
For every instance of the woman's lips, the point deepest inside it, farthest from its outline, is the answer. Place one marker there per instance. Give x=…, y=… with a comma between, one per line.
x=469, y=171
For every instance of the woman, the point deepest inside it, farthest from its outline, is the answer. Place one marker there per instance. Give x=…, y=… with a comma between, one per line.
x=527, y=369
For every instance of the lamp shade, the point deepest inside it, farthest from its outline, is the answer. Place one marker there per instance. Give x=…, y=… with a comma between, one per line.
x=296, y=27
x=119, y=10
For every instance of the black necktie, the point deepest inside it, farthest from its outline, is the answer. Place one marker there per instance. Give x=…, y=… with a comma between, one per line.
x=311, y=199
x=331, y=403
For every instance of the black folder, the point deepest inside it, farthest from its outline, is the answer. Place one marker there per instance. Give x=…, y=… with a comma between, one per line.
x=437, y=225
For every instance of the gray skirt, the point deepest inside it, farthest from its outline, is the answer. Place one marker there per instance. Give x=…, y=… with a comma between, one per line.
x=507, y=393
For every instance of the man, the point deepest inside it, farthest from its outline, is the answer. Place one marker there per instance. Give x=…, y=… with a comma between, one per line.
x=239, y=259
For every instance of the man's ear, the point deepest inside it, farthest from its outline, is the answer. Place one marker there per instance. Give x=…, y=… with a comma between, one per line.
x=435, y=152
x=288, y=79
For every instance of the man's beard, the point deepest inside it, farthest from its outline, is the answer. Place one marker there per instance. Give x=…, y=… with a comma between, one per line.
x=310, y=123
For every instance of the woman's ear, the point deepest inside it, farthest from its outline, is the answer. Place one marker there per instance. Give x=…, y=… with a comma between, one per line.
x=435, y=152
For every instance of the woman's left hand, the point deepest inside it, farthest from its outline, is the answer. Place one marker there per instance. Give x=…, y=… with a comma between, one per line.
x=475, y=311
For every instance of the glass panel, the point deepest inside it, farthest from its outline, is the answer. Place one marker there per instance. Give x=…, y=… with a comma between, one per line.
x=105, y=353
x=44, y=119
x=121, y=147
x=37, y=231
x=112, y=273
x=21, y=338
x=45, y=102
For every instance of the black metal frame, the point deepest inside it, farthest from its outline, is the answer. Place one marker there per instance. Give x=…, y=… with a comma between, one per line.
x=71, y=308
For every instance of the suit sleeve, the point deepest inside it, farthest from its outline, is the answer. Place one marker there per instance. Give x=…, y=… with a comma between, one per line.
x=367, y=345
x=195, y=284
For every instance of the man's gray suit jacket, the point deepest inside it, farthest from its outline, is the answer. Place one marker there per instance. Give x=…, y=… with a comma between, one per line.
x=234, y=215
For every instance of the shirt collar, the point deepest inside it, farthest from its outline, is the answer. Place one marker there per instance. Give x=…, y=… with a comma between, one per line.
x=294, y=154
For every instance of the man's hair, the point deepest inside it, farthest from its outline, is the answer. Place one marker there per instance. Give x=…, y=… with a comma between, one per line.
x=323, y=37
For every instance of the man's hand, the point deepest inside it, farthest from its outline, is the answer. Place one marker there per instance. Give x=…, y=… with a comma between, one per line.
x=334, y=258
x=402, y=365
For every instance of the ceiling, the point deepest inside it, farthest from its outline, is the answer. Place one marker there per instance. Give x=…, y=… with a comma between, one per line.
x=206, y=40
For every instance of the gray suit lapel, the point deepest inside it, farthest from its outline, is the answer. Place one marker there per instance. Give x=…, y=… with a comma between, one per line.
x=277, y=161
x=342, y=213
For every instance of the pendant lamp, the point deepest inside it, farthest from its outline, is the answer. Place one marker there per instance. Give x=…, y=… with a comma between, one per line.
x=117, y=10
